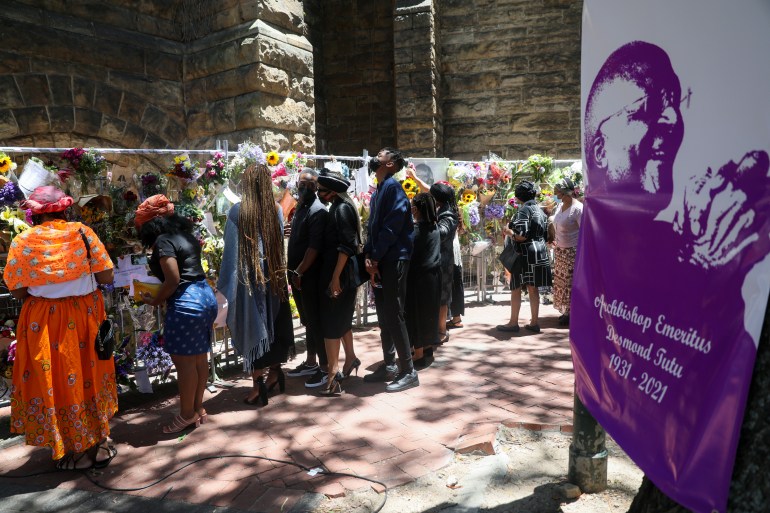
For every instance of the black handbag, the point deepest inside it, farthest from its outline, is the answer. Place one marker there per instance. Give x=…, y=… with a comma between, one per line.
x=105, y=340
x=511, y=259
x=355, y=273
x=105, y=337
x=358, y=273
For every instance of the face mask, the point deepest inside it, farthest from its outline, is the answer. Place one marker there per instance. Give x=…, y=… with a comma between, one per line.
x=374, y=165
x=305, y=193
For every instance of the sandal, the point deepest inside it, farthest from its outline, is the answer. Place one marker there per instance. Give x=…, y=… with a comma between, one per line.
x=180, y=424
x=70, y=462
x=111, y=451
x=450, y=324
x=204, y=416
x=443, y=338
x=534, y=328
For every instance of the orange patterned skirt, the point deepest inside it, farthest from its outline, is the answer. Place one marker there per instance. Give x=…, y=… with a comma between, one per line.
x=62, y=396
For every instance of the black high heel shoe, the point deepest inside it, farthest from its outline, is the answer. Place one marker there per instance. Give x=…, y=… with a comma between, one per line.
x=280, y=381
x=261, y=397
x=333, y=388
x=354, y=367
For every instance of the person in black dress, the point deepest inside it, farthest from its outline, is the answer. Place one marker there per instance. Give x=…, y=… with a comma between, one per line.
x=424, y=281
x=528, y=230
x=303, y=259
x=342, y=238
x=448, y=219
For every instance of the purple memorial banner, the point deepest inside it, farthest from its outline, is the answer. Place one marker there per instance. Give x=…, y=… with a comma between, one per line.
x=673, y=264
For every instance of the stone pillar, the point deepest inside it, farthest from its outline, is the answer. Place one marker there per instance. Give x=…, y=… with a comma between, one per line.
x=419, y=130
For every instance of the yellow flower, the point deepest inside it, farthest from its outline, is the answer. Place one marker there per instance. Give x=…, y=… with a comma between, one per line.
x=409, y=185
x=179, y=159
x=20, y=226
x=6, y=214
x=272, y=158
x=205, y=265
x=410, y=195
x=455, y=183
x=468, y=196
x=6, y=164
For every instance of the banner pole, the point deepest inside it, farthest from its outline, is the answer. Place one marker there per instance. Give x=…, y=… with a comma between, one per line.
x=588, y=451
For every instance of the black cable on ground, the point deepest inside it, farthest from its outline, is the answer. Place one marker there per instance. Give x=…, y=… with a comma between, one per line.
x=265, y=458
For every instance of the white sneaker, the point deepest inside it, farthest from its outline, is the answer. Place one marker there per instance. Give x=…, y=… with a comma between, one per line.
x=303, y=369
x=318, y=379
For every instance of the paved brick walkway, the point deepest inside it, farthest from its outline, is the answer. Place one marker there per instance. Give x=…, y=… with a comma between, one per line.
x=480, y=377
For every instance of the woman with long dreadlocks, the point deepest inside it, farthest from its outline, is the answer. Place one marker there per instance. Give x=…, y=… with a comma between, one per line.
x=253, y=279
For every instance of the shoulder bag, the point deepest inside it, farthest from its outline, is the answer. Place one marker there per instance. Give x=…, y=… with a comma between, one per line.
x=105, y=337
x=352, y=276
x=511, y=259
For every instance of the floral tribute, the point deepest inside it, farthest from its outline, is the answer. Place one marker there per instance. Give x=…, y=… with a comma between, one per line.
x=410, y=187
x=150, y=184
x=85, y=164
x=538, y=166
x=18, y=220
x=211, y=256
x=10, y=194
x=294, y=162
x=6, y=164
x=124, y=363
x=215, y=172
x=150, y=351
x=273, y=159
x=7, y=355
x=248, y=153
x=184, y=168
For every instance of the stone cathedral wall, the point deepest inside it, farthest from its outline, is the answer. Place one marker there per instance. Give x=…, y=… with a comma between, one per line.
x=445, y=78
x=165, y=74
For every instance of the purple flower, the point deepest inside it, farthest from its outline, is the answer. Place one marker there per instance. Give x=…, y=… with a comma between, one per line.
x=493, y=211
x=149, y=179
x=473, y=214
x=156, y=360
x=10, y=194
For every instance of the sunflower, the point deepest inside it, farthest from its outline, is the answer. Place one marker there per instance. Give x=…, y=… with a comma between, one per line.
x=410, y=186
x=6, y=164
x=273, y=158
x=468, y=196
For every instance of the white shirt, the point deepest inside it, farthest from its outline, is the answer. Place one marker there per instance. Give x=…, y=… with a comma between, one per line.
x=567, y=223
x=77, y=287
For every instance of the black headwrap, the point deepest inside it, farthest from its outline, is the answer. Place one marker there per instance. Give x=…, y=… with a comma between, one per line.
x=525, y=191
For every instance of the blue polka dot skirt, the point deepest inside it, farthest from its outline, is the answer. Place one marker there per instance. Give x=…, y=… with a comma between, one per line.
x=190, y=315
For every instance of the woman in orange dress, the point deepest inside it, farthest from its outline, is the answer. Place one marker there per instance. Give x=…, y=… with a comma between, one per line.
x=62, y=395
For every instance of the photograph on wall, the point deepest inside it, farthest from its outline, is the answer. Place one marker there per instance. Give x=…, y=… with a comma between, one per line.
x=430, y=171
